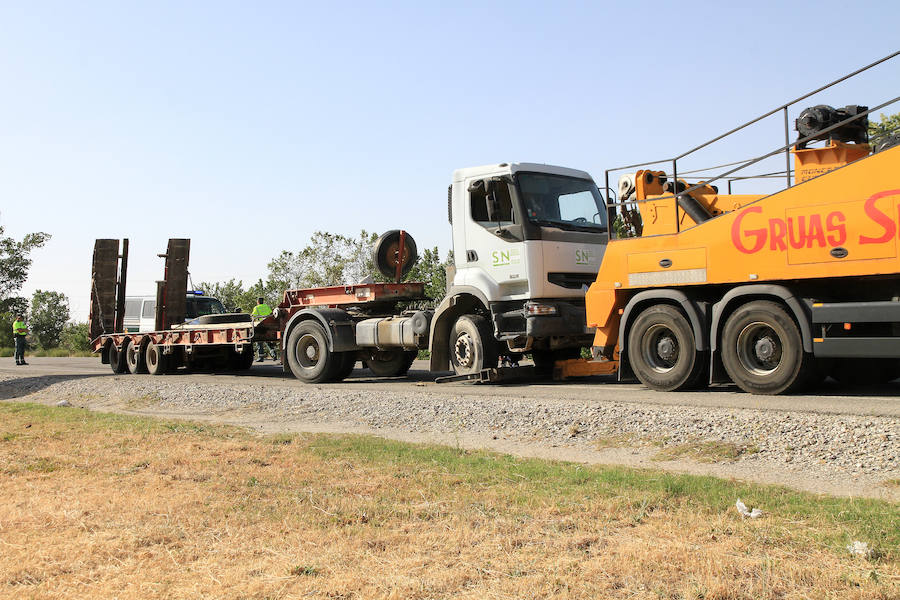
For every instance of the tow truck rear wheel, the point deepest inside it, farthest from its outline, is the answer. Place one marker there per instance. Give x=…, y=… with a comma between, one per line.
x=134, y=358
x=117, y=358
x=157, y=362
x=762, y=350
x=662, y=350
x=308, y=355
x=472, y=345
x=390, y=364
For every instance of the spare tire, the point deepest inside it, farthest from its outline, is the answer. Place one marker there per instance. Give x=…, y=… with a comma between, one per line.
x=385, y=254
x=224, y=318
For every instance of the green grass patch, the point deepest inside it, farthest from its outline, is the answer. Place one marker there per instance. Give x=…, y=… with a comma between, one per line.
x=517, y=485
x=836, y=521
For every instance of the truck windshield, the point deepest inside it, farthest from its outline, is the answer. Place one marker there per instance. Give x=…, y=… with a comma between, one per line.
x=563, y=202
x=197, y=307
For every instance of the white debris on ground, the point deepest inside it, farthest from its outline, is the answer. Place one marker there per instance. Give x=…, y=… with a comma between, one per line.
x=745, y=512
x=858, y=548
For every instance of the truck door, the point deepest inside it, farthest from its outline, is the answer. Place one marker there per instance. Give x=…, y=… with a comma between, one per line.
x=494, y=259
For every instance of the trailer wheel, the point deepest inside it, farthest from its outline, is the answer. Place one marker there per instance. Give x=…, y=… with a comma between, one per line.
x=762, y=350
x=390, y=364
x=157, y=362
x=472, y=345
x=134, y=357
x=117, y=359
x=662, y=350
x=308, y=355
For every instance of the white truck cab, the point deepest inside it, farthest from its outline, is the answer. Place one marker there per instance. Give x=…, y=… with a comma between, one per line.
x=527, y=240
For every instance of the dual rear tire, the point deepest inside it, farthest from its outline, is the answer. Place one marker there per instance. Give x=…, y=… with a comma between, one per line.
x=761, y=349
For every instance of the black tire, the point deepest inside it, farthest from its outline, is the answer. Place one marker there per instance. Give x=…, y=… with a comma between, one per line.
x=241, y=361
x=307, y=353
x=762, y=350
x=157, y=362
x=117, y=359
x=386, y=249
x=225, y=318
x=544, y=359
x=134, y=358
x=662, y=350
x=390, y=364
x=472, y=345
x=345, y=365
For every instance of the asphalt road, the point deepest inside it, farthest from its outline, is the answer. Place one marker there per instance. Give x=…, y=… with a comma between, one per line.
x=882, y=400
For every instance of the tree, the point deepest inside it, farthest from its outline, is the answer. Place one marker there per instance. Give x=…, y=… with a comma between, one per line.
x=14, y=265
x=231, y=293
x=76, y=337
x=431, y=271
x=328, y=259
x=884, y=131
x=49, y=313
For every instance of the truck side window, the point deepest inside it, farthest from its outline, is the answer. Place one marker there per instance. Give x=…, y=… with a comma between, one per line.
x=479, y=209
x=149, y=311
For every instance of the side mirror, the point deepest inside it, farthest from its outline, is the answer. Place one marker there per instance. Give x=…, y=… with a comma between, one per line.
x=490, y=200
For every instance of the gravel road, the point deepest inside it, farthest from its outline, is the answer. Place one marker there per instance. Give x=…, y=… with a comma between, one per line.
x=844, y=442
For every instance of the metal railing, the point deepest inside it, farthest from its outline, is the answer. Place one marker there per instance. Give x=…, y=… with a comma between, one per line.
x=727, y=175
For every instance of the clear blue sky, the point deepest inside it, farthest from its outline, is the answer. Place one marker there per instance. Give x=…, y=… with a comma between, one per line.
x=247, y=126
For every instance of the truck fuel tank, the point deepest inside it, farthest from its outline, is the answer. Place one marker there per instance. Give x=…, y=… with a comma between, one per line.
x=409, y=331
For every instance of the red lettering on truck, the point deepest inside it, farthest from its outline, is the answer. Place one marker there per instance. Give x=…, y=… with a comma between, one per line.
x=813, y=230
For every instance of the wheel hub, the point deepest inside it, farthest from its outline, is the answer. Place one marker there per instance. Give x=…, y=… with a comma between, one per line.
x=759, y=348
x=666, y=348
x=463, y=350
x=765, y=348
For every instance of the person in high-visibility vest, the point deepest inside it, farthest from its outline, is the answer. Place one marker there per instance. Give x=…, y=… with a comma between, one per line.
x=19, y=333
x=260, y=312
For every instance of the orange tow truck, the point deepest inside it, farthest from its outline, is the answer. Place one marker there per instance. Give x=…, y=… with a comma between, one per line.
x=771, y=292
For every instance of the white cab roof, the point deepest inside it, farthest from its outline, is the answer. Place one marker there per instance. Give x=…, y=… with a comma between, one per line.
x=510, y=168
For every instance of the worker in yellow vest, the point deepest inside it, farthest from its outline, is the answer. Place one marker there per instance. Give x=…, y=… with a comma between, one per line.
x=19, y=333
x=260, y=312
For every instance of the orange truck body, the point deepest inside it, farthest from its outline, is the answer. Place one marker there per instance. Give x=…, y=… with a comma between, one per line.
x=835, y=230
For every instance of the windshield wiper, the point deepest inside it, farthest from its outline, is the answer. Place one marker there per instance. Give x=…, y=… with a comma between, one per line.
x=569, y=225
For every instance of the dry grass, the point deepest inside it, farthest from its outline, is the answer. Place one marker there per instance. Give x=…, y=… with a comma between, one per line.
x=104, y=506
x=706, y=451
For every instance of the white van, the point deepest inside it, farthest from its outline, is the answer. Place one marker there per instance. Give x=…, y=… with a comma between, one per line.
x=140, y=311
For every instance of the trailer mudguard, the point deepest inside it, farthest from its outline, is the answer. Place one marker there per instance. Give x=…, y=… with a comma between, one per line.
x=337, y=323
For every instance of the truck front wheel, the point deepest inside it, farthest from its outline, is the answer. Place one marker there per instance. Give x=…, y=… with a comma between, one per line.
x=662, y=350
x=762, y=350
x=472, y=345
x=308, y=356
